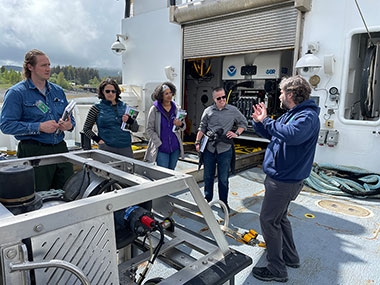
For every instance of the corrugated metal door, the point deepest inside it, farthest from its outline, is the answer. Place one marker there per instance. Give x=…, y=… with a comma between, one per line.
x=260, y=29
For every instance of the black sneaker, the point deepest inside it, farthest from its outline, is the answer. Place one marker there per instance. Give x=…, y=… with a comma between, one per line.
x=292, y=265
x=263, y=273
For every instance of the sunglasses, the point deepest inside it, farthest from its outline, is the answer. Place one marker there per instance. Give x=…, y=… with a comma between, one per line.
x=220, y=98
x=110, y=91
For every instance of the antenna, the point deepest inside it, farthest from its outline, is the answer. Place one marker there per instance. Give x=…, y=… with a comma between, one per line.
x=360, y=12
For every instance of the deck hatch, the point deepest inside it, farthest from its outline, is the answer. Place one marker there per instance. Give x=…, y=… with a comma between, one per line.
x=344, y=208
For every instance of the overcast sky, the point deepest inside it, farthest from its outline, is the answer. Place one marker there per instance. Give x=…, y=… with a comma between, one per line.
x=70, y=32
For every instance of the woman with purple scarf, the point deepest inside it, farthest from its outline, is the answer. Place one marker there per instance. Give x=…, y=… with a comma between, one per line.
x=165, y=145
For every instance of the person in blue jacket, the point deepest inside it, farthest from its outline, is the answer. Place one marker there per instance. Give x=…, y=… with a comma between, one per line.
x=32, y=112
x=288, y=161
x=108, y=116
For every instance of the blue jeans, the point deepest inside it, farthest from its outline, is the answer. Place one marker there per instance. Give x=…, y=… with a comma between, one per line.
x=210, y=160
x=168, y=160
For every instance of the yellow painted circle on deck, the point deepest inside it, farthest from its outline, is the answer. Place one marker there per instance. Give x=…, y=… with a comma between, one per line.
x=309, y=216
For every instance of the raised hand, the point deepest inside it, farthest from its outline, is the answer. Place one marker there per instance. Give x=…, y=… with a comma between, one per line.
x=259, y=112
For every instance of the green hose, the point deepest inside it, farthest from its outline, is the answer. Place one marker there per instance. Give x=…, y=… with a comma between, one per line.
x=344, y=181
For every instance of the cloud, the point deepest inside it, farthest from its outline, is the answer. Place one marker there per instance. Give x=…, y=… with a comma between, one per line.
x=76, y=32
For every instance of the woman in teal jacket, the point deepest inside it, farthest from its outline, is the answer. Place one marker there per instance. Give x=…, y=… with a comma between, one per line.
x=108, y=116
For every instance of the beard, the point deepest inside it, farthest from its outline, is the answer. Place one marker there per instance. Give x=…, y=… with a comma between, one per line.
x=284, y=105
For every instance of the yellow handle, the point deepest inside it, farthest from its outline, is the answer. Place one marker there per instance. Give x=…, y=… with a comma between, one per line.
x=252, y=232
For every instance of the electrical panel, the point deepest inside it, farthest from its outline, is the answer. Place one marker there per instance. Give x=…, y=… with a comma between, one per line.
x=254, y=78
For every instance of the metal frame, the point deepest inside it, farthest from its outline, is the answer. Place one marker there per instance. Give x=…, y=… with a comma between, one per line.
x=146, y=182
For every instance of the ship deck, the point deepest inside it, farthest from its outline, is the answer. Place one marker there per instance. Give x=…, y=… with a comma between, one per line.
x=337, y=237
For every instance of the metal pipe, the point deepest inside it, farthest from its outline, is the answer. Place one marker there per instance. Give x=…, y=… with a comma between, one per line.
x=225, y=210
x=365, y=24
x=52, y=263
x=297, y=44
x=127, y=11
x=215, y=8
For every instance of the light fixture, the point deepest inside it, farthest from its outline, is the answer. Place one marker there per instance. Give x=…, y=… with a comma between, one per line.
x=309, y=64
x=118, y=47
x=170, y=72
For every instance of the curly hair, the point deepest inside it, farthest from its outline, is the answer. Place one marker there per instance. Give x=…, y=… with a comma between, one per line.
x=158, y=92
x=106, y=82
x=30, y=58
x=298, y=87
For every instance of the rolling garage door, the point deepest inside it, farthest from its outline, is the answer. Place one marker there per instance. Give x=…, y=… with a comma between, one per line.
x=267, y=28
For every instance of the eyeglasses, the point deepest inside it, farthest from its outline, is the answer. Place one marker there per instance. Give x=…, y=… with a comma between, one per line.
x=220, y=98
x=110, y=91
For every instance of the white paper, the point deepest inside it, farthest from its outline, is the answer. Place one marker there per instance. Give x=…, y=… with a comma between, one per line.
x=203, y=143
x=181, y=114
x=67, y=113
x=132, y=112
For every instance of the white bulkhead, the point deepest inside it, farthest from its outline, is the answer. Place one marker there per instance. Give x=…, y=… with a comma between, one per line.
x=201, y=43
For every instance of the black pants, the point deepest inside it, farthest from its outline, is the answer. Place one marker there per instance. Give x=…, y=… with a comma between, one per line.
x=276, y=228
x=51, y=176
x=126, y=151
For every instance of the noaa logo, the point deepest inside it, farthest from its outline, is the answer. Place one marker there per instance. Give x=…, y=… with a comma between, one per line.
x=231, y=70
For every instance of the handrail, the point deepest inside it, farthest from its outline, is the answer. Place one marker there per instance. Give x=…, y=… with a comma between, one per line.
x=52, y=263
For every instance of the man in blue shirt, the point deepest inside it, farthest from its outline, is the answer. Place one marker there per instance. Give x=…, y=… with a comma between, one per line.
x=288, y=161
x=32, y=112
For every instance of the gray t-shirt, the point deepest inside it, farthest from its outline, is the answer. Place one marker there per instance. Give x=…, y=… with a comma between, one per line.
x=213, y=119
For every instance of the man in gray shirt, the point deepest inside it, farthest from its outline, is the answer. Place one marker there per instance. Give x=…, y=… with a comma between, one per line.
x=216, y=122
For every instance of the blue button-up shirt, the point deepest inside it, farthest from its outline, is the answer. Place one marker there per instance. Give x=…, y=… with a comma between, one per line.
x=22, y=112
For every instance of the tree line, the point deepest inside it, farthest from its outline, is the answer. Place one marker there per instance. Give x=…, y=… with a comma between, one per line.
x=9, y=76
x=64, y=76
x=77, y=75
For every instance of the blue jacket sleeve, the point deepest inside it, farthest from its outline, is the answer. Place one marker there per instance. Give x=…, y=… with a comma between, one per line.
x=259, y=128
x=10, y=121
x=295, y=132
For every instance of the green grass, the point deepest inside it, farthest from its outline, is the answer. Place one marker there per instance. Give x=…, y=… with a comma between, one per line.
x=5, y=85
